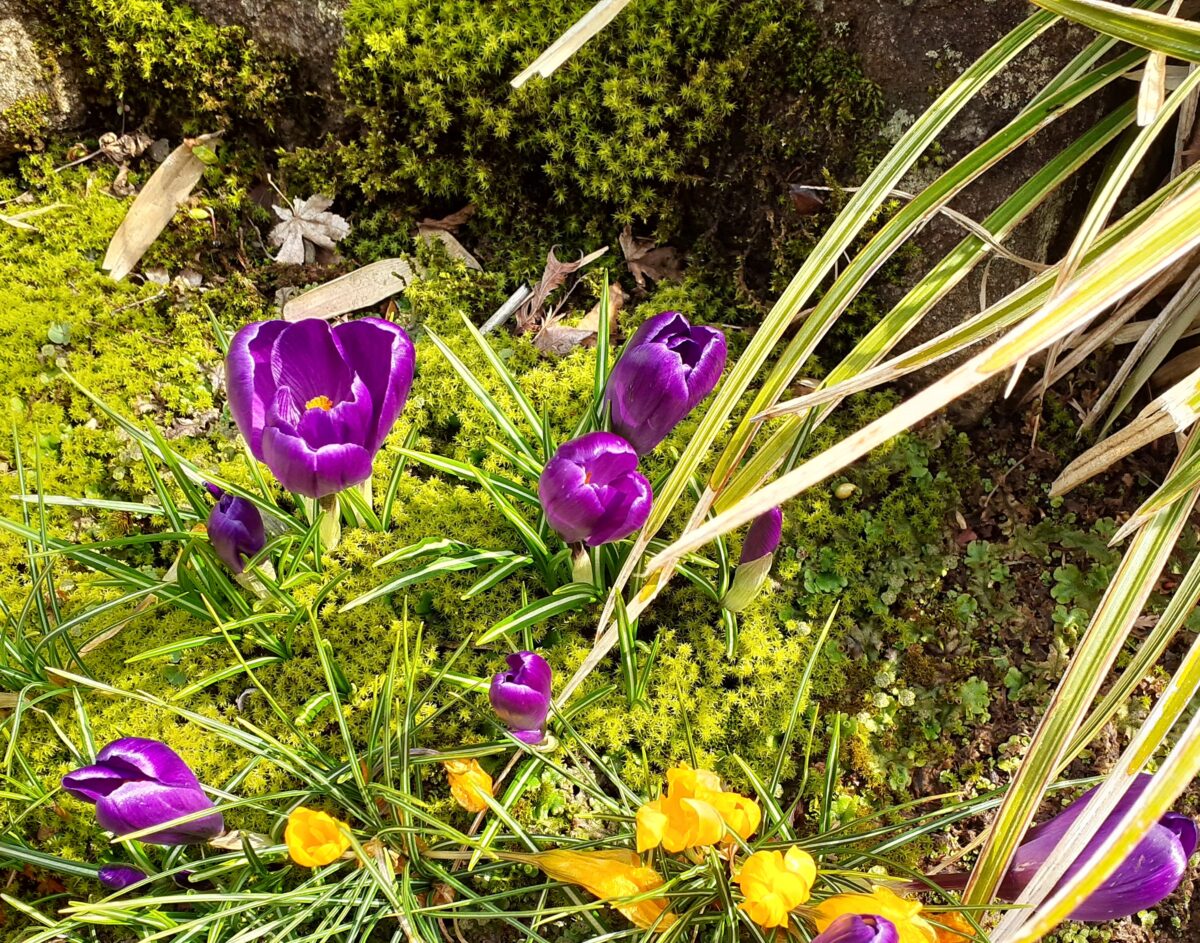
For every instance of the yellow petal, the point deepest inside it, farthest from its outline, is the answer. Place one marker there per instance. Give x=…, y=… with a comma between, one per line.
x=651, y=825
x=315, y=839
x=610, y=875
x=468, y=784
x=683, y=782
x=774, y=884
x=742, y=815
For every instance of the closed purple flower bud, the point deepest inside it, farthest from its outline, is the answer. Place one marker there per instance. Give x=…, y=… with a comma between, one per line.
x=763, y=536
x=859, y=928
x=119, y=876
x=667, y=368
x=592, y=491
x=235, y=529
x=521, y=695
x=758, y=553
x=315, y=402
x=1147, y=876
x=137, y=783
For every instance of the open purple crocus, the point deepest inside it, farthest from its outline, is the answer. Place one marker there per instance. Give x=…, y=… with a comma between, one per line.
x=592, y=492
x=235, y=529
x=521, y=696
x=1150, y=874
x=137, y=783
x=315, y=403
x=859, y=928
x=667, y=368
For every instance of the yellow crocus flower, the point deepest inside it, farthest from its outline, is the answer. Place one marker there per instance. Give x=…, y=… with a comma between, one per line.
x=774, y=884
x=694, y=812
x=314, y=838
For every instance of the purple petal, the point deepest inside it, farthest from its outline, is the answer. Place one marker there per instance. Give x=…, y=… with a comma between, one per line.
x=119, y=876
x=138, y=805
x=314, y=472
x=149, y=759
x=763, y=536
x=521, y=695
x=93, y=783
x=305, y=359
x=248, y=378
x=382, y=355
x=649, y=395
x=859, y=928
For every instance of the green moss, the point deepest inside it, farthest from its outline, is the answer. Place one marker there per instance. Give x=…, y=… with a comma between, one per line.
x=164, y=59
x=23, y=124
x=666, y=103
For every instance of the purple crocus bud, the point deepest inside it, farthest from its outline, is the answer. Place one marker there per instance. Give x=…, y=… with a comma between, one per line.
x=119, y=876
x=592, y=491
x=137, y=783
x=758, y=553
x=315, y=402
x=1150, y=874
x=235, y=529
x=521, y=695
x=763, y=536
x=859, y=928
x=667, y=368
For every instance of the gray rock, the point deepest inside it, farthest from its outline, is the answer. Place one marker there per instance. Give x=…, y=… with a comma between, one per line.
x=307, y=33
x=39, y=94
x=912, y=49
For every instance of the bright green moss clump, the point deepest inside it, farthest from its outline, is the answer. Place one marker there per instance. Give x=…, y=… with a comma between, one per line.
x=644, y=114
x=164, y=58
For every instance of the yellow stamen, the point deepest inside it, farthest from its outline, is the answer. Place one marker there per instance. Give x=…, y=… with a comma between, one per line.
x=319, y=402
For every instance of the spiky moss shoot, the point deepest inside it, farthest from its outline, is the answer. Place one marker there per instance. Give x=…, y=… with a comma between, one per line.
x=165, y=60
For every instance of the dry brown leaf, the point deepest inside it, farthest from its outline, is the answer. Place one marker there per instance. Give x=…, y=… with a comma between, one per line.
x=529, y=315
x=306, y=221
x=449, y=223
x=616, y=301
x=805, y=199
x=558, y=339
x=646, y=260
x=166, y=190
x=353, y=291
x=124, y=148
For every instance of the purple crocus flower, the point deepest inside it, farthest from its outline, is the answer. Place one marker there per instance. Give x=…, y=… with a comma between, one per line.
x=137, y=783
x=667, y=368
x=758, y=553
x=592, y=491
x=235, y=529
x=117, y=877
x=1150, y=874
x=315, y=403
x=859, y=928
x=521, y=695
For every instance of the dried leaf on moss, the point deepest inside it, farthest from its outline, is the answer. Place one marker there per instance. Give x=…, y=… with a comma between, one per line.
x=166, y=190
x=353, y=291
x=646, y=260
x=306, y=221
x=529, y=315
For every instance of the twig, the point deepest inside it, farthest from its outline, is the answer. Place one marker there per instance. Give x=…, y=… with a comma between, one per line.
x=505, y=311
